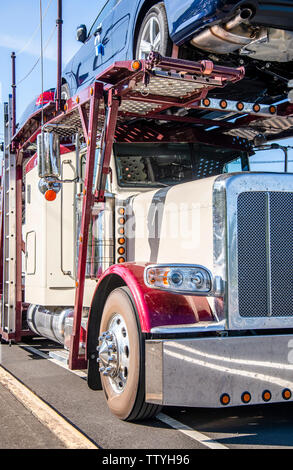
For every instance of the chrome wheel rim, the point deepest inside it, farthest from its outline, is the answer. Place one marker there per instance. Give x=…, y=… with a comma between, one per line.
x=150, y=38
x=114, y=353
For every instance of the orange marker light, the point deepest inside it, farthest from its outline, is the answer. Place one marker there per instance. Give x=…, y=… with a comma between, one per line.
x=272, y=109
x=286, y=394
x=256, y=108
x=206, y=102
x=223, y=104
x=225, y=399
x=50, y=195
x=121, y=211
x=240, y=106
x=246, y=397
x=136, y=65
x=121, y=260
x=121, y=241
x=121, y=250
x=266, y=396
x=121, y=231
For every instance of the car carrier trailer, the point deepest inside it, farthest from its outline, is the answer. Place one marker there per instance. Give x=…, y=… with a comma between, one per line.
x=176, y=293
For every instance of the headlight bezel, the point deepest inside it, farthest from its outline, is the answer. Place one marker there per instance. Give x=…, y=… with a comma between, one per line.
x=197, y=279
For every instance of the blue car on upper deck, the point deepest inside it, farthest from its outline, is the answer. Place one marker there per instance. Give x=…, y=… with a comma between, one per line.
x=255, y=33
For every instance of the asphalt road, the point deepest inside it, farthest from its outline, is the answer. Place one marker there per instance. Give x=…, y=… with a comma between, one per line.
x=247, y=427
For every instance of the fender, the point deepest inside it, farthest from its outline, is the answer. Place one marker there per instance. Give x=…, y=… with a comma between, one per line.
x=154, y=308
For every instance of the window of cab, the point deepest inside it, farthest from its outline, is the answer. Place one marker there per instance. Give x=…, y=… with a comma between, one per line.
x=168, y=164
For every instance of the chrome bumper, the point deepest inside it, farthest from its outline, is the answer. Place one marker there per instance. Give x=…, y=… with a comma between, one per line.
x=198, y=372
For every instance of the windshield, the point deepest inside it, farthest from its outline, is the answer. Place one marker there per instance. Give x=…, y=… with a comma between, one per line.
x=169, y=164
x=275, y=158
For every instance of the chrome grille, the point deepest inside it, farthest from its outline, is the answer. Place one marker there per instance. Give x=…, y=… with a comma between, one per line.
x=265, y=254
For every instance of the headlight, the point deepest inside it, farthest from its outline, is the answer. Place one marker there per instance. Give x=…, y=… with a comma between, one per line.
x=181, y=279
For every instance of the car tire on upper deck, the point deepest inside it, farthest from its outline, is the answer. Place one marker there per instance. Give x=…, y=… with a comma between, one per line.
x=153, y=33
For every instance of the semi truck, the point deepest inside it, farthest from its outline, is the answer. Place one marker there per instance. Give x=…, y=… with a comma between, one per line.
x=135, y=235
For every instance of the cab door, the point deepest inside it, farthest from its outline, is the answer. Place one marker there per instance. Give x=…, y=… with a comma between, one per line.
x=95, y=54
x=121, y=31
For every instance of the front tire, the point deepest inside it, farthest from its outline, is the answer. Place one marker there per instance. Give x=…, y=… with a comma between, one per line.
x=121, y=358
x=153, y=34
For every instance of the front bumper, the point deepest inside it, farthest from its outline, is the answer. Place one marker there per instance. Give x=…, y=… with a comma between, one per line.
x=197, y=372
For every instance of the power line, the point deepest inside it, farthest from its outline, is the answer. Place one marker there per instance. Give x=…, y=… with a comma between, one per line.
x=37, y=62
x=35, y=32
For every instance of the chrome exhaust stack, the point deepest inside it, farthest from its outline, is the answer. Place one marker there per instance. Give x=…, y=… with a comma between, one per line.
x=232, y=36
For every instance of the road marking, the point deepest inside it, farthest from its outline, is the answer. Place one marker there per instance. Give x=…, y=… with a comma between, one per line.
x=33, y=350
x=65, y=432
x=197, y=436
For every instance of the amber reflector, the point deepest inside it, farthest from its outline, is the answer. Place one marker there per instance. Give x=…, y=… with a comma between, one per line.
x=240, y=106
x=50, y=195
x=121, y=250
x=136, y=65
x=246, y=397
x=223, y=104
x=121, y=241
x=225, y=399
x=256, y=108
x=121, y=260
x=286, y=394
x=121, y=221
x=206, y=102
x=266, y=396
x=272, y=109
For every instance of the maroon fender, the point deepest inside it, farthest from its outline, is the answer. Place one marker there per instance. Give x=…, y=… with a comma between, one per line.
x=158, y=308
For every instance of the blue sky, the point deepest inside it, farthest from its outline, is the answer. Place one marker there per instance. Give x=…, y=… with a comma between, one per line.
x=19, y=23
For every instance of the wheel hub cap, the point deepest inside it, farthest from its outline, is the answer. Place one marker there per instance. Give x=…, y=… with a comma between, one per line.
x=113, y=352
x=150, y=38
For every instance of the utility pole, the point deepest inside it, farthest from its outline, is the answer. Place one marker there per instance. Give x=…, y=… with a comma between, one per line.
x=13, y=86
x=59, y=23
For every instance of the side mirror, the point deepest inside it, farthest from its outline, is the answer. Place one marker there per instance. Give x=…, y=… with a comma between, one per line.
x=48, y=148
x=81, y=33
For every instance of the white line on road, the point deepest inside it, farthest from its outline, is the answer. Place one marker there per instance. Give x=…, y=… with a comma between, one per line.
x=33, y=350
x=197, y=436
x=65, y=432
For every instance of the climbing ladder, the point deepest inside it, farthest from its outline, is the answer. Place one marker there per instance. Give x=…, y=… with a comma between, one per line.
x=9, y=230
